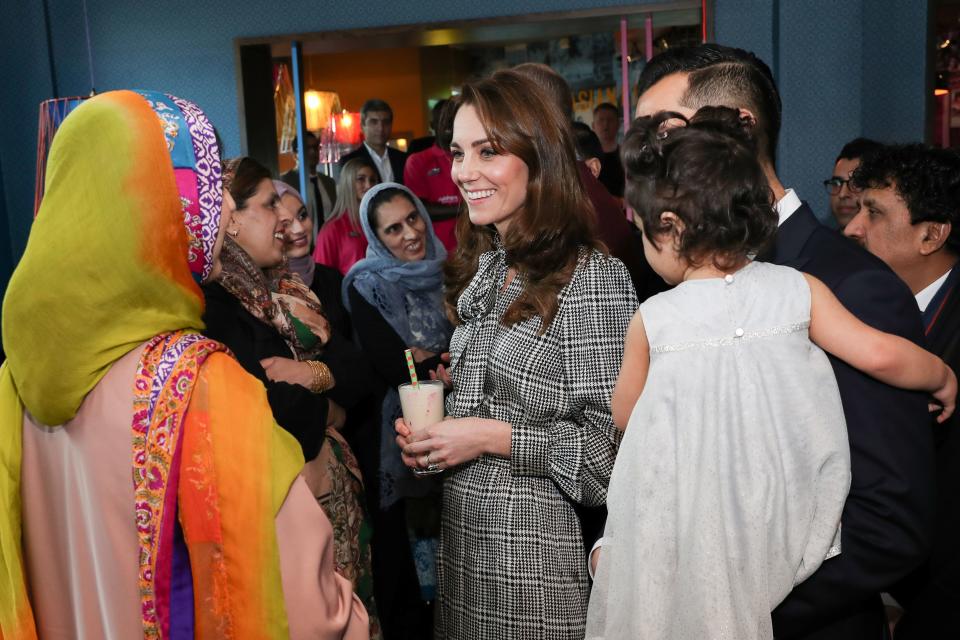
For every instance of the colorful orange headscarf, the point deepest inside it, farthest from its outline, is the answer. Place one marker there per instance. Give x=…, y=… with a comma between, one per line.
x=130, y=216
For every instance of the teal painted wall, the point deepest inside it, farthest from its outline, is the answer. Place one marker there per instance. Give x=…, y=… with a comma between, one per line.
x=843, y=70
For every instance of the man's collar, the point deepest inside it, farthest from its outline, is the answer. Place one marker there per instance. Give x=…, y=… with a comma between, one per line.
x=927, y=293
x=386, y=151
x=792, y=236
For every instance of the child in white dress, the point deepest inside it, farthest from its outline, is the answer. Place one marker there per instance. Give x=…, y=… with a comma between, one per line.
x=731, y=478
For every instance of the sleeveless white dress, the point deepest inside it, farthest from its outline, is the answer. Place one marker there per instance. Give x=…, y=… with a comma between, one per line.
x=733, y=471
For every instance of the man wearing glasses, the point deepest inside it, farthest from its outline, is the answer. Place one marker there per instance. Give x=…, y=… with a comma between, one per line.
x=844, y=201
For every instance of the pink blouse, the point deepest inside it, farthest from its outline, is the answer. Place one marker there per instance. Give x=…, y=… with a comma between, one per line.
x=340, y=244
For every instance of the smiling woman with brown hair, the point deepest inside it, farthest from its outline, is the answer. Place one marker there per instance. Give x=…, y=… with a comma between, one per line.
x=542, y=316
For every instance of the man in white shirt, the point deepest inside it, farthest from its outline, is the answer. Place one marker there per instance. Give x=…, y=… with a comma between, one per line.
x=910, y=218
x=376, y=122
x=888, y=517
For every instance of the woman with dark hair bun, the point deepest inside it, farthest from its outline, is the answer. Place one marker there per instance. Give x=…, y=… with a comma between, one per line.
x=280, y=333
x=541, y=315
x=732, y=475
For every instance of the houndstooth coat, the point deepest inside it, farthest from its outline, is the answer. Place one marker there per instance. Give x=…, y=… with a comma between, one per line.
x=511, y=554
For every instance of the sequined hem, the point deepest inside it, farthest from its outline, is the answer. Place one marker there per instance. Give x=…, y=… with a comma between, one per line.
x=834, y=549
x=739, y=336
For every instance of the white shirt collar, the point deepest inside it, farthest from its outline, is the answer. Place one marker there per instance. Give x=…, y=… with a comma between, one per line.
x=926, y=295
x=373, y=153
x=383, y=163
x=787, y=205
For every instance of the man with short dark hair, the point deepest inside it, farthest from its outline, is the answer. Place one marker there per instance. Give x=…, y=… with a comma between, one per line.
x=606, y=124
x=887, y=520
x=844, y=200
x=376, y=122
x=588, y=146
x=321, y=189
x=910, y=218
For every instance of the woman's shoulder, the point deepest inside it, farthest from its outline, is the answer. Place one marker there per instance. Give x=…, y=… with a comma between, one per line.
x=222, y=366
x=226, y=318
x=333, y=230
x=326, y=278
x=356, y=298
x=218, y=300
x=598, y=272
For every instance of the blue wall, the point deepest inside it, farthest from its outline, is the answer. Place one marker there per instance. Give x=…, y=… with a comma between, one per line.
x=844, y=71
x=845, y=68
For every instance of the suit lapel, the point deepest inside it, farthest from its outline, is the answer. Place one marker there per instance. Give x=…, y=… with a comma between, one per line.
x=943, y=313
x=394, y=157
x=792, y=237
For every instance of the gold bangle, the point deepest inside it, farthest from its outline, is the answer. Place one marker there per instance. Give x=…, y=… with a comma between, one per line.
x=322, y=376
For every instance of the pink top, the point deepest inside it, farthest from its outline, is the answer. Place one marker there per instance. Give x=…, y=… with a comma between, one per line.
x=427, y=174
x=80, y=542
x=340, y=244
x=446, y=231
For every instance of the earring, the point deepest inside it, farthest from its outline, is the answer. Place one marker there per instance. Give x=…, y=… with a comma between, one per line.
x=234, y=233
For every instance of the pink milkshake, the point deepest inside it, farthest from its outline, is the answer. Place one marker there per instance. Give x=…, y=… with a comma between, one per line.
x=422, y=406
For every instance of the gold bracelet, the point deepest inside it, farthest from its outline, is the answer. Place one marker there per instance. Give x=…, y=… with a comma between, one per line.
x=322, y=376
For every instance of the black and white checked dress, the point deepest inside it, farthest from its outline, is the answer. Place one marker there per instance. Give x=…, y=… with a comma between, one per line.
x=511, y=560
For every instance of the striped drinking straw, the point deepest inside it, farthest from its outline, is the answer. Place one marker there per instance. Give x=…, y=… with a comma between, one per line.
x=412, y=368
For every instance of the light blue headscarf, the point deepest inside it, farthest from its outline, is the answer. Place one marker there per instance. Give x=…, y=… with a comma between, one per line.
x=409, y=295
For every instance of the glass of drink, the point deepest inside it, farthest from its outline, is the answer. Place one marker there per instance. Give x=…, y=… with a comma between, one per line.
x=422, y=405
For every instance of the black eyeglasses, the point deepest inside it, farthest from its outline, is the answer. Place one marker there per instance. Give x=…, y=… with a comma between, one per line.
x=834, y=185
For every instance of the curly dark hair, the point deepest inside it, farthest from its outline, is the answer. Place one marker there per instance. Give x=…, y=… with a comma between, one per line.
x=926, y=178
x=857, y=148
x=707, y=173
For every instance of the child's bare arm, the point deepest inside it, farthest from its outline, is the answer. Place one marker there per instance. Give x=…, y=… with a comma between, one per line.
x=633, y=372
x=884, y=356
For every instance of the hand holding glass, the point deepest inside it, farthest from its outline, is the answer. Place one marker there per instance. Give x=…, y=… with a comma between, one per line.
x=422, y=405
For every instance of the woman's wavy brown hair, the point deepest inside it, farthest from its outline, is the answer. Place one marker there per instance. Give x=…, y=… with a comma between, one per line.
x=544, y=240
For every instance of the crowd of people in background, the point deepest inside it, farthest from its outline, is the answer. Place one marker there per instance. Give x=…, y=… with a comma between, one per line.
x=677, y=405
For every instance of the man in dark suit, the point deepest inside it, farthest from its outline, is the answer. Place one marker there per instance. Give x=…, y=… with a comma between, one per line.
x=321, y=190
x=376, y=122
x=887, y=521
x=910, y=219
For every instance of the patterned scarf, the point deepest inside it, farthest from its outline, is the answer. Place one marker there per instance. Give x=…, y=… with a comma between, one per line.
x=272, y=297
